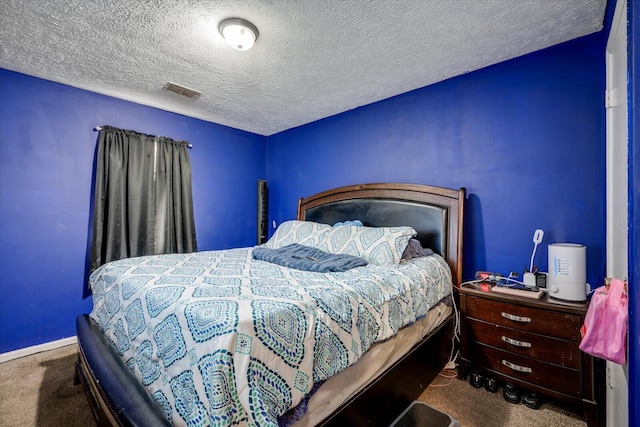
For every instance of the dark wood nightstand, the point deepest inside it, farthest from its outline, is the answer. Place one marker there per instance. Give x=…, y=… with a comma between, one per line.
x=532, y=343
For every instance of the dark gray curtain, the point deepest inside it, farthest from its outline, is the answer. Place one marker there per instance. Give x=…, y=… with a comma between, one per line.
x=143, y=203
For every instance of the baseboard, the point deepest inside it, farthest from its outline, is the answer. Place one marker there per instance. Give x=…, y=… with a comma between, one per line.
x=27, y=351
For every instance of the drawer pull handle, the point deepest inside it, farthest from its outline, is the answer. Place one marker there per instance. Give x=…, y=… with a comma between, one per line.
x=516, y=318
x=516, y=342
x=515, y=367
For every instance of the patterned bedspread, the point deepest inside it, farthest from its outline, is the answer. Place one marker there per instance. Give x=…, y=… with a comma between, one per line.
x=218, y=338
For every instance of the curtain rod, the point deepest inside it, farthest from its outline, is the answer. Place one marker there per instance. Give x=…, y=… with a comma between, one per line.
x=99, y=128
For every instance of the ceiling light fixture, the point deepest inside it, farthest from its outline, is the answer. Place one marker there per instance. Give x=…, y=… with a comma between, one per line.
x=238, y=33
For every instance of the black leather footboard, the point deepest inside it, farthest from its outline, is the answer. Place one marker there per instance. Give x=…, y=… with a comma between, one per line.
x=115, y=396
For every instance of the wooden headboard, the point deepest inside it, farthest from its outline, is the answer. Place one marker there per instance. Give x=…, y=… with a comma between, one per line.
x=435, y=213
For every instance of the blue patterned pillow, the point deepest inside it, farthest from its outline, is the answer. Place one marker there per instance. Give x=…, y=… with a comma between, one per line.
x=305, y=233
x=377, y=245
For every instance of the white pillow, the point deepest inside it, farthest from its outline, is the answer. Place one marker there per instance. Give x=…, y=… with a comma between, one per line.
x=377, y=245
x=305, y=233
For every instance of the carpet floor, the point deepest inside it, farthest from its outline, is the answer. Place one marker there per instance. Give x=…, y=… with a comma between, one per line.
x=38, y=390
x=476, y=407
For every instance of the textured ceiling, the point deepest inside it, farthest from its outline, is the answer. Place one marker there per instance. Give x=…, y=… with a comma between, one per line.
x=313, y=59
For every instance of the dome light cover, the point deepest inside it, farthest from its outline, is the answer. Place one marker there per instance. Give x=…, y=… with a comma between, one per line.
x=238, y=33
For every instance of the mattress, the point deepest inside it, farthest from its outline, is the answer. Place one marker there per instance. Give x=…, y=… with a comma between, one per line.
x=343, y=386
x=219, y=338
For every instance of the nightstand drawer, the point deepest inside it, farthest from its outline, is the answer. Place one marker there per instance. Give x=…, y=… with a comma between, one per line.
x=547, y=349
x=540, y=321
x=553, y=377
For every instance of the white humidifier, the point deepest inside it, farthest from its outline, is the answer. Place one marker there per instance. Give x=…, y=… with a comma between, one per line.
x=567, y=279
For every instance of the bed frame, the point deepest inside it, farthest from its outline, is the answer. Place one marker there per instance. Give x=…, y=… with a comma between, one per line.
x=117, y=399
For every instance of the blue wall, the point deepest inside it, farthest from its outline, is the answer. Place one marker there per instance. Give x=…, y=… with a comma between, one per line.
x=46, y=155
x=525, y=137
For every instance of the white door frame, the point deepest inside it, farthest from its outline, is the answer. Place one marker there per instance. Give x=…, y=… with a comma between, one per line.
x=617, y=157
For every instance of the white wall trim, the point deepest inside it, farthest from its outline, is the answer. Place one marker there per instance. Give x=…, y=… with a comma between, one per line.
x=28, y=351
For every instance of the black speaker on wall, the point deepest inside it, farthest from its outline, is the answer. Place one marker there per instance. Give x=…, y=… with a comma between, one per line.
x=262, y=211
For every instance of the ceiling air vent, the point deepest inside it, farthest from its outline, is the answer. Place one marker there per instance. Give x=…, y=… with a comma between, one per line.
x=181, y=90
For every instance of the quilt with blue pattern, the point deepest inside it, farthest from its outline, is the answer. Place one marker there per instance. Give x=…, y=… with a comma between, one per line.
x=218, y=338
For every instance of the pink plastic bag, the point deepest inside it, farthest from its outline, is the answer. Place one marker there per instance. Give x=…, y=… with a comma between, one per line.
x=604, y=333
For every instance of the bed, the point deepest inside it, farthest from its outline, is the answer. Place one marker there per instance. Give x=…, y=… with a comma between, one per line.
x=344, y=373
